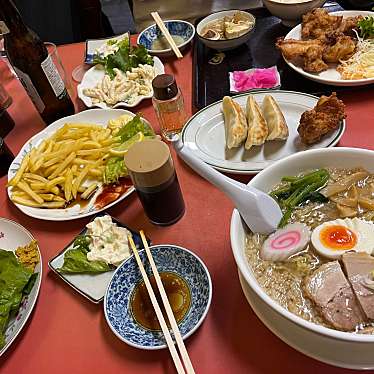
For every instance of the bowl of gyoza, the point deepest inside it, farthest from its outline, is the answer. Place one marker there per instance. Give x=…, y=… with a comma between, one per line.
x=312, y=281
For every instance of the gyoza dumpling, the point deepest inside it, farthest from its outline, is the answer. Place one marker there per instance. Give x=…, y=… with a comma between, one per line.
x=257, y=127
x=274, y=118
x=235, y=123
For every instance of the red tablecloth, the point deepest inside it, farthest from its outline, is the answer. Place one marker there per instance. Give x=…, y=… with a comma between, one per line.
x=68, y=334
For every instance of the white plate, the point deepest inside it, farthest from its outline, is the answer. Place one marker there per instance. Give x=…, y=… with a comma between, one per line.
x=330, y=76
x=204, y=134
x=12, y=236
x=91, y=286
x=96, y=116
x=94, y=75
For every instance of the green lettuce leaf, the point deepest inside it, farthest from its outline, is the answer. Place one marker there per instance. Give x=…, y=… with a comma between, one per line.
x=14, y=283
x=134, y=126
x=126, y=58
x=114, y=169
x=75, y=259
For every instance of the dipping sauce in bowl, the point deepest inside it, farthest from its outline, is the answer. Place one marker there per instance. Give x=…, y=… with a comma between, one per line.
x=177, y=291
x=161, y=43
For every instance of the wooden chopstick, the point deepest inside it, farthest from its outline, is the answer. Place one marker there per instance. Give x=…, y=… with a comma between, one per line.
x=166, y=33
x=182, y=348
x=156, y=307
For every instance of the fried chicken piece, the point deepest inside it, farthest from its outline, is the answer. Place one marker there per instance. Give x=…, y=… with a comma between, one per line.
x=317, y=23
x=338, y=47
x=348, y=24
x=322, y=119
x=307, y=53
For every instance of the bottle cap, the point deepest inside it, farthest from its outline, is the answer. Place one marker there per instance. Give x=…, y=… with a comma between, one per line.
x=149, y=163
x=164, y=87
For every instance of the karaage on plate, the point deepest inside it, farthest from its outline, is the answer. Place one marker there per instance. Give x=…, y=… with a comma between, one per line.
x=307, y=53
x=322, y=119
x=338, y=47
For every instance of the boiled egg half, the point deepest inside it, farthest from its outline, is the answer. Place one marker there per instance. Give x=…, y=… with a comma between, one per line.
x=331, y=239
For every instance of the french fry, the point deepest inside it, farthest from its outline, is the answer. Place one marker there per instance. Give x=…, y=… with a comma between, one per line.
x=42, y=188
x=89, y=190
x=25, y=201
x=63, y=165
x=78, y=181
x=55, y=182
x=68, y=184
x=36, y=177
x=26, y=188
x=24, y=164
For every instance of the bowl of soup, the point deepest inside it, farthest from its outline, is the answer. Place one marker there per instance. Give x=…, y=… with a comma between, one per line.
x=155, y=42
x=319, y=298
x=291, y=11
x=226, y=30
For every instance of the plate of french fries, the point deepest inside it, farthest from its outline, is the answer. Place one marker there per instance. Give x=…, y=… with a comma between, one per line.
x=62, y=171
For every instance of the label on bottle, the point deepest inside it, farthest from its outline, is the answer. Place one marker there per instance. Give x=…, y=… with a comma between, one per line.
x=30, y=89
x=3, y=28
x=53, y=76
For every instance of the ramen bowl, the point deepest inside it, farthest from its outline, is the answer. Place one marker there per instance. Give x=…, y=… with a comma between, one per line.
x=343, y=349
x=291, y=11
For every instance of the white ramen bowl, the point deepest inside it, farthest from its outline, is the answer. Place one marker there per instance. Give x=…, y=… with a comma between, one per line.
x=290, y=11
x=334, y=347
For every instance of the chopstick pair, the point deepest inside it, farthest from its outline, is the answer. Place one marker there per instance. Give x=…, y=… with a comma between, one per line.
x=166, y=33
x=188, y=368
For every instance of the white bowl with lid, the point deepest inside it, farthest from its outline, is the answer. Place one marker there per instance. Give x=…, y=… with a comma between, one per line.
x=343, y=349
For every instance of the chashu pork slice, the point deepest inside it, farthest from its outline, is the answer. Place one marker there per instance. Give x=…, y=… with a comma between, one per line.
x=329, y=289
x=358, y=267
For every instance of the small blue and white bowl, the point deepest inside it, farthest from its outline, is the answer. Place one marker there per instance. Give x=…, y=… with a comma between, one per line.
x=176, y=27
x=168, y=258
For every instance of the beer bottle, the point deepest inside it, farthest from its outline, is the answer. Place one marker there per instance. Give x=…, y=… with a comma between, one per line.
x=34, y=66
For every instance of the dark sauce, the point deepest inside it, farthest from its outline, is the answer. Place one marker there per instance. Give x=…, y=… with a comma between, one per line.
x=78, y=201
x=112, y=192
x=177, y=291
x=163, y=204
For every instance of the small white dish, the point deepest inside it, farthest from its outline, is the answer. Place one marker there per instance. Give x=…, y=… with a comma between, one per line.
x=91, y=286
x=12, y=236
x=330, y=76
x=95, y=116
x=204, y=134
x=94, y=75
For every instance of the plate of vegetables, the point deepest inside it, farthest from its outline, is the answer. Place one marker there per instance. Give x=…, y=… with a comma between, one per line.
x=74, y=168
x=20, y=279
x=122, y=76
x=88, y=262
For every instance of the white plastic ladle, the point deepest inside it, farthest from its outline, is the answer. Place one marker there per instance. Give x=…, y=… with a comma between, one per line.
x=259, y=211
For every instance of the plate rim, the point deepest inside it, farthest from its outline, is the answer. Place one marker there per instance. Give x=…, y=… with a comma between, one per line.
x=38, y=285
x=252, y=171
x=45, y=130
x=84, y=229
x=331, y=82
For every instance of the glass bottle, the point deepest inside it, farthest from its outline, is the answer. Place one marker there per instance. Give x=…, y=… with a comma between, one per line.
x=169, y=106
x=152, y=171
x=34, y=66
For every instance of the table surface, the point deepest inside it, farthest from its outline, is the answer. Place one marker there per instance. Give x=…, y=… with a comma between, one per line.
x=68, y=334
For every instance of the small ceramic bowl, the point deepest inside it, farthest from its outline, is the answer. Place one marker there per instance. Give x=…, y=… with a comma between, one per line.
x=227, y=44
x=181, y=28
x=291, y=13
x=170, y=258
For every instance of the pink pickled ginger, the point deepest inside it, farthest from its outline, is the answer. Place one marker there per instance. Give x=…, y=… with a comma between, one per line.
x=256, y=78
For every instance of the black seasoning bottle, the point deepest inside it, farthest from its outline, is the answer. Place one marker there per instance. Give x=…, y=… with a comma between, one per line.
x=152, y=171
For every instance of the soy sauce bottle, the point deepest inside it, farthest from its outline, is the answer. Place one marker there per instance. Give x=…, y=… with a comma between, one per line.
x=152, y=171
x=34, y=66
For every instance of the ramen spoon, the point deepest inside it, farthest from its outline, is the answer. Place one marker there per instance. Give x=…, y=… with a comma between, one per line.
x=259, y=211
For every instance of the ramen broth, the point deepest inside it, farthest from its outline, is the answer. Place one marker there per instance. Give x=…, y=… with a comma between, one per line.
x=283, y=281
